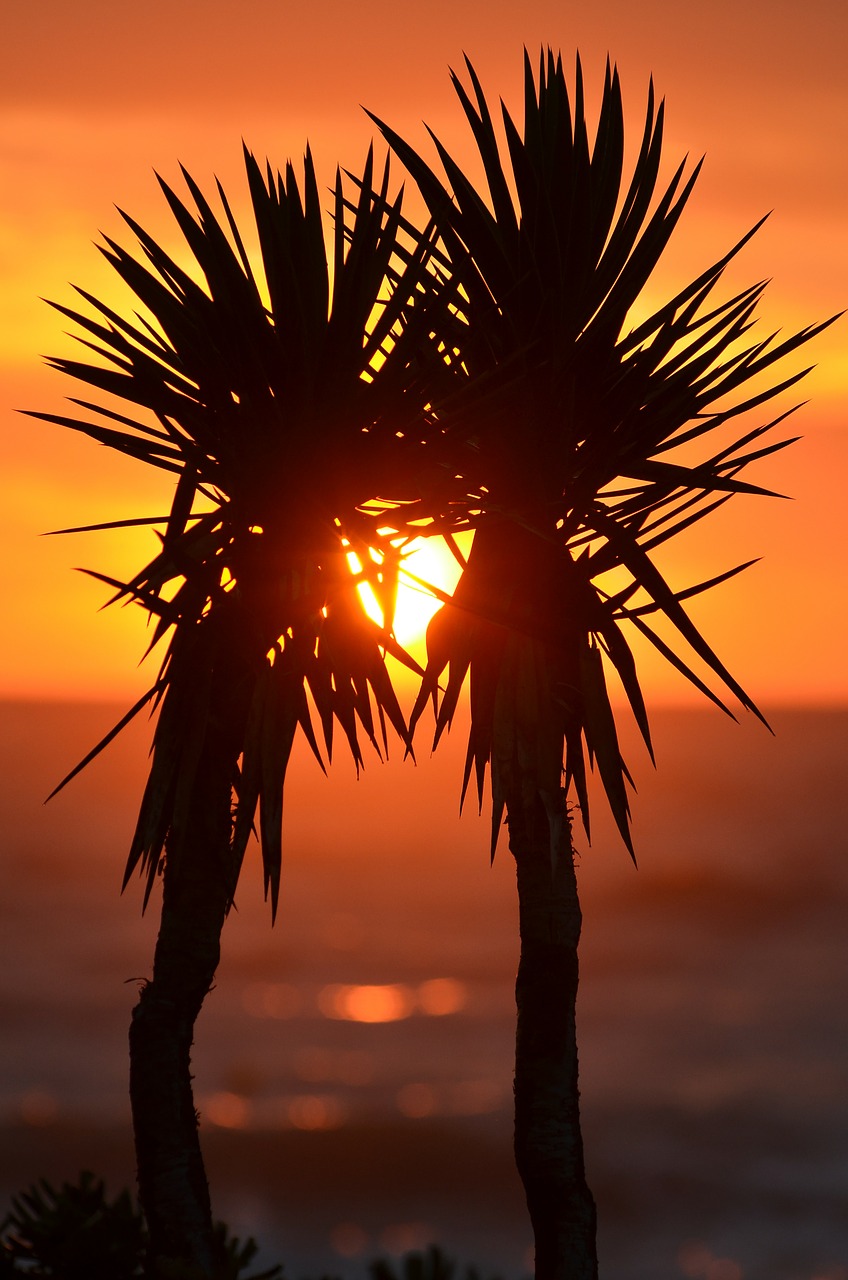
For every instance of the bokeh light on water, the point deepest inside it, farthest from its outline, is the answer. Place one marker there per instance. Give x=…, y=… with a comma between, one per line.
x=390, y=1002
x=387, y=1002
x=271, y=1000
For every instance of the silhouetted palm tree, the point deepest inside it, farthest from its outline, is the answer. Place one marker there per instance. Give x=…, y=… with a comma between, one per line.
x=285, y=404
x=577, y=433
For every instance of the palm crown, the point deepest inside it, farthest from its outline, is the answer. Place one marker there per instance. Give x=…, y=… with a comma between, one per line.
x=285, y=407
x=569, y=426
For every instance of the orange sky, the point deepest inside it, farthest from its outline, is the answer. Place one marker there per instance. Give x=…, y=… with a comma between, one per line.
x=94, y=96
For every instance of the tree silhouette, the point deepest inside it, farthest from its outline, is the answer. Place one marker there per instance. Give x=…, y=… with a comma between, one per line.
x=586, y=440
x=283, y=402
x=483, y=373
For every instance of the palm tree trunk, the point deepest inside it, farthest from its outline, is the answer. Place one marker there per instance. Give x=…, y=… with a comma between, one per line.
x=172, y=1183
x=548, y=1141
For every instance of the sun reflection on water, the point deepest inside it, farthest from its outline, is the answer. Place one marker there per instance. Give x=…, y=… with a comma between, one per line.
x=391, y=1002
x=385, y=1003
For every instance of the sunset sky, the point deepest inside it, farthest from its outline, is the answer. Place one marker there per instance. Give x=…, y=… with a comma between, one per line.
x=96, y=96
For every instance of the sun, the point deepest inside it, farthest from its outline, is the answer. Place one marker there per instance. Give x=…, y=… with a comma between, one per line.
x=426, y=562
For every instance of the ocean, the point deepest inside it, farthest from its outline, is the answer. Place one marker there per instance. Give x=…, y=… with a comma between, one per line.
x=353, y=1063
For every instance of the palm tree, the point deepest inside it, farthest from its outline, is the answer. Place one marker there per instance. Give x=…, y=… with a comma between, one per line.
x=283, y=402
x=577, y=432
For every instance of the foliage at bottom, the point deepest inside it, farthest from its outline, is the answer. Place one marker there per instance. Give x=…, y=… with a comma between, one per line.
x=77, y=1233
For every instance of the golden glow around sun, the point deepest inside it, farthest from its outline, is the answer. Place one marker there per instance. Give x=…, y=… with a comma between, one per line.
x=427, y=561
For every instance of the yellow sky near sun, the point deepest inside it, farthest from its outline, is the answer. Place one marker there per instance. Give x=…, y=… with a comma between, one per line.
x=95, y=98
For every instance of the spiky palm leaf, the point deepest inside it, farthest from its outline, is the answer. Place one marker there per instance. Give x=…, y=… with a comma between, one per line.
x=284, y=402
x=565, y=426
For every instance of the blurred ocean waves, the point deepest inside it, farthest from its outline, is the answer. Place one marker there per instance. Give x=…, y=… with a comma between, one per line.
x=353, y=1065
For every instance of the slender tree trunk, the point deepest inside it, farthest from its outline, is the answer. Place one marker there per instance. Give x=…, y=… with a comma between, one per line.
x=172, y=1183
x=548, y=1141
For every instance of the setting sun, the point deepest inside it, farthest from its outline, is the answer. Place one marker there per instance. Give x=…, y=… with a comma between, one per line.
x=428, y=562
